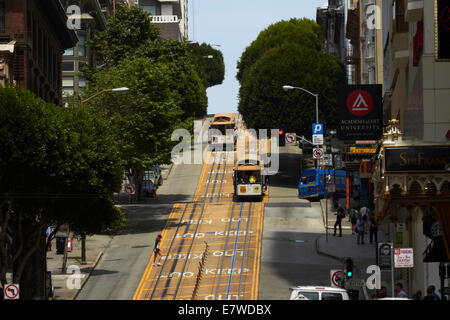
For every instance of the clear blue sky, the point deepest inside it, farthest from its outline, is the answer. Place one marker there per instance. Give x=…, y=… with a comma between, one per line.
x=234, y=24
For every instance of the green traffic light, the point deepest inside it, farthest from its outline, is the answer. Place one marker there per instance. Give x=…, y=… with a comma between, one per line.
x=349, y=274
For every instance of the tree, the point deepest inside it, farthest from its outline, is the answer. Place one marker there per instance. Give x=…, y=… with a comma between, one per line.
x=211, y=70
x=126, y=30
x=144, y=118
x=272, y=63
x=57, y=166
x=130, y=34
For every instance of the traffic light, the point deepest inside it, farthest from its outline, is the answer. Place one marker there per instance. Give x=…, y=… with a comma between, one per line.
x=281, y=138
x=348, y=268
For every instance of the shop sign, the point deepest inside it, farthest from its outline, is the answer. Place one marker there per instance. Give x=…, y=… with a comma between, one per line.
x=360, y=112
x=362, y=150
x=417, y=158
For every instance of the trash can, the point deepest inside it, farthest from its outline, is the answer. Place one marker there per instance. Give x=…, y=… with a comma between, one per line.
x=60, y=243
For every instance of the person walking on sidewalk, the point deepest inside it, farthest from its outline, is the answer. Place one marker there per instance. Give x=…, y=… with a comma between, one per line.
x=157, y=251
x=365, y=216
x=373, y=229
x=339, y=216
x=359, y=229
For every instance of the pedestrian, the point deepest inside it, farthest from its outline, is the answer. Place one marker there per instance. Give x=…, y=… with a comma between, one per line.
x=433, y=293
x=365, y=215
x=373, y=229
x=381, y=293
x=429, y=295
x=157, y=251
x=48, y=240
x=417, y=295
x=398, y=289
x=359, y=229
x=353, y=213
x=339, y=216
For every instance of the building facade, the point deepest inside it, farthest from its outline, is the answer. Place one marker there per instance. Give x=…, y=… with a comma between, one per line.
x=171, y=16
x=33, y=36
x=412, y=170
x=92, y=18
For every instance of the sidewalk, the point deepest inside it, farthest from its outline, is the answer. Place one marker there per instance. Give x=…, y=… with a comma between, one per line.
x=66, y=286
x=337, y=248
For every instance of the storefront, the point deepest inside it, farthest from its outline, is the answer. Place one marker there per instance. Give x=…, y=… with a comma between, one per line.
x=412, y=190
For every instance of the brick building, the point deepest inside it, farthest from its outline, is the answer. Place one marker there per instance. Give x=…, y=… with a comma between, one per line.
x=33, y=37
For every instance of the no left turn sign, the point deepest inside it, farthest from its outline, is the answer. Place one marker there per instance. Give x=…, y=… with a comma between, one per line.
x=317, y=153
x=336, y=278
x=11, y=292
x=290, y=137
x=129, y=188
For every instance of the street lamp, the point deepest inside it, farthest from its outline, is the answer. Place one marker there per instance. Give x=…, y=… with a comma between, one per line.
x=122, y=90
x=287, y=88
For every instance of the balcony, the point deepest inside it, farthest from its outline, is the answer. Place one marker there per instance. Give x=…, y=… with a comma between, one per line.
x=165, y=19
x=414, y=11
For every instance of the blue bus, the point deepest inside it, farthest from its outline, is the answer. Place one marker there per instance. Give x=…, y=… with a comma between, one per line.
x=311, y=184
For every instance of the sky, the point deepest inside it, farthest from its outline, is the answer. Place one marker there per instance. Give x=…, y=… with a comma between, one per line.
x=234, y=24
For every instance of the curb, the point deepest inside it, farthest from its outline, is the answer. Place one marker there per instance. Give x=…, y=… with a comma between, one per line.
x=326, y=254
x=75, y=295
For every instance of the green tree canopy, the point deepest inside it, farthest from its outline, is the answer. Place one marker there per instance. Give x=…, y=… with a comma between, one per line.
x=126, y=30
x=57, y=166
x=263, y=103
x=211, y=70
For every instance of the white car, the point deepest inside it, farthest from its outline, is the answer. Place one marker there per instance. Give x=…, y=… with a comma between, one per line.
x=318, y=293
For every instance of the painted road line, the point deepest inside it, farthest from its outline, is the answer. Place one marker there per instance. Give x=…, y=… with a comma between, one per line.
x=148, y=268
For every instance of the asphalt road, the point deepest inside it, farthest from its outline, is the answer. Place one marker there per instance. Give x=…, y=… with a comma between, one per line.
x=291, y=227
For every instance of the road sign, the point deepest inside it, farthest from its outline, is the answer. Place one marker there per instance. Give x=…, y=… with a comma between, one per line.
x=11, y=292
x=317, y=128
x=290, y=137
x=328, y=159
x=129, y=188
x=317, y=153
x=404, y=258
x=336, y=278
x=317, y=139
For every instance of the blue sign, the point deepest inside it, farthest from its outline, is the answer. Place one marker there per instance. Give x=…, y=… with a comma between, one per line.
x=317, y=128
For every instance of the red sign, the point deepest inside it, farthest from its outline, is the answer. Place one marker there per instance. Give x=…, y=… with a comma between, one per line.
x=359, y=103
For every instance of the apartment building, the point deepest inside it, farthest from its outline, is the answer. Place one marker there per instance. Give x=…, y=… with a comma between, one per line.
x=33, y=36
x=171, y=16
x=92, y=18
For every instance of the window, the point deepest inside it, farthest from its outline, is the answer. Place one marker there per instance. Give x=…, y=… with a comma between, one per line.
x=331, y=296
x=81, y=45
x=309, y=295
x=67, y=82
x=67, y=66
x=68, y=52
x=2, y=16
x=311, y=179
x=81, y=65
x=149, y=9
x=81, y=82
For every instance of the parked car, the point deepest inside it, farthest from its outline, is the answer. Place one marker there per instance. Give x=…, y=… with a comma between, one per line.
x=318, y=293
x=157, y=171
x=148, y=188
